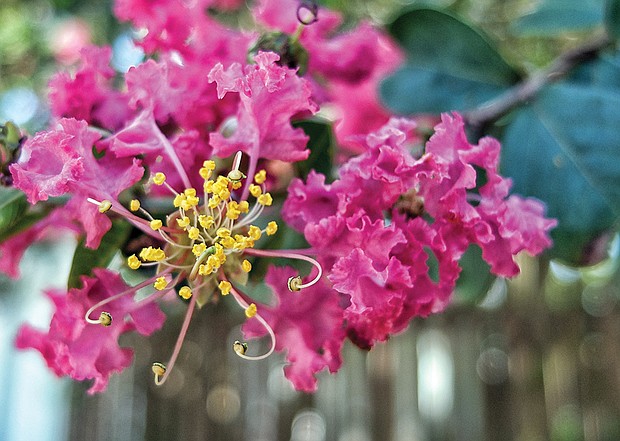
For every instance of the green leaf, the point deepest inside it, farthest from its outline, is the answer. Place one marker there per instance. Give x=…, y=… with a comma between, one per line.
x=321, y=145
x=13, y=205
x=450, y=65
x=612, y=18
x=85, y=259
x=475, y=278
x=564, y=149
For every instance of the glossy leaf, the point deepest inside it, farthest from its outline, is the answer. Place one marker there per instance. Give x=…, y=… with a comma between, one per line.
x=450, y=65
x=564, y=149
x=85, y=259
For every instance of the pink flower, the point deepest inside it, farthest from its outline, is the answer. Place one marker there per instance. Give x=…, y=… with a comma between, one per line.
x=307, y=325
x=382, y=266
x=61, y=161
x=75, y=348
x=88, y=94
x=270, y=95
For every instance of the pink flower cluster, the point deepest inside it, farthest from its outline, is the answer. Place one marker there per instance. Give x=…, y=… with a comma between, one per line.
x=373, y=230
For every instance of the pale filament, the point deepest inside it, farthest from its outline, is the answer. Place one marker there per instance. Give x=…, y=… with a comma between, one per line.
x=295, y=256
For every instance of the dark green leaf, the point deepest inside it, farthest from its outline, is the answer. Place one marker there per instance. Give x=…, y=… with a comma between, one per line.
x=475, y=278
x=612, y=18
x=85, y=259
x=13, y=205
x=450, y=65
x=321, y=145
x=564, y=149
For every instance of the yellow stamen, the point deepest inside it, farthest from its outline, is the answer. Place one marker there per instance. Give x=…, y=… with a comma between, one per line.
x=255, y=190
x=246, y=266
x=133, y=262
x=183, y=221
x=265, y=199
x=250, y=311
x=104, y=206
x=260, y=177
x=185, y=292
x=293, y=283
x=193, y=233
x=151, y=254
x=272, y=228
x=105, y=318
x=198, y=249
x=160, y=283
x=156, y=224
x=225, y=287
x=134, y=205
x=159, y=178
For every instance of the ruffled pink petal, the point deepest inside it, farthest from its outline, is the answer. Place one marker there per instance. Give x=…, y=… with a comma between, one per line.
x=308, y=326
x=270, y=95
x=72, y=347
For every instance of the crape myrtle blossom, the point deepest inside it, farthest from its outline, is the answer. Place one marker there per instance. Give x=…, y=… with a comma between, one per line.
x=207, y=240
x=379, y=263
x=178, y=147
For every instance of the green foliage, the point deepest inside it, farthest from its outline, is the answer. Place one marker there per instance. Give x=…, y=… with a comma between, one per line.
x=321, y=145
x=555, y=16
x=612, y=18
x=85, y=259
x=450, y=65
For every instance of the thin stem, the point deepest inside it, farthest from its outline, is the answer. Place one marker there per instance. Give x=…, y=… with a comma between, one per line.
x=179, y=343
x=289, y=255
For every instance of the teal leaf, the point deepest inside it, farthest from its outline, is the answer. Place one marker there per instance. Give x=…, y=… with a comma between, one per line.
x=564, y=150
x=450, y=65
x=85, y=259
x=553, y=18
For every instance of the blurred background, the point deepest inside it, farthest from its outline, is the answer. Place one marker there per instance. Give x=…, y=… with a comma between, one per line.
x=533, y=358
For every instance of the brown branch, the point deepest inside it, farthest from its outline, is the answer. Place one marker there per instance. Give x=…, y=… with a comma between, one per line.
x=491, y=111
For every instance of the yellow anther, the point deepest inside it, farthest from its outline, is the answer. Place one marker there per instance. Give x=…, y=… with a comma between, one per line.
x=104, y=206
x=254, y=232
x=213, y=262
x=232, y=210
x=133, y=262
x=134, y=205
x=228, y=242
x=214, y=201
x=185, y=292
x=204, y=270
x=193, y=233
x=250, y=311
x=190, y=192
x=271, y=228
x=178, y=200
x=240, y=348
x=208, y=186
x=246, y=266
x=225, y=287
x=244, y=206
x=159, y=178
x=156, y=224
x=159, y=369
x=105, y=318
x=265, y=199
x=206, y=169
x=151, y=254
x=236, y=185
x=209, y=165
x=260, y=177
x=223, y=232
x=160, y=283
x=294, y=283
x=219, y=253
x=206, y=221
x=183, y=221
x=198, y=249
x=255, y=190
